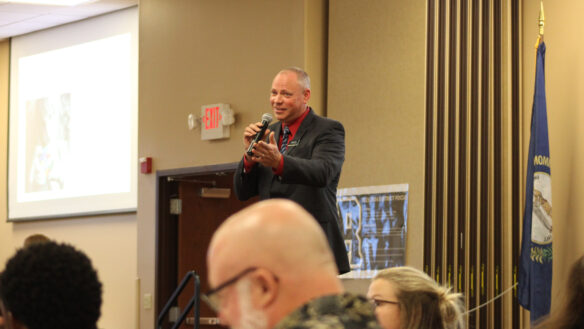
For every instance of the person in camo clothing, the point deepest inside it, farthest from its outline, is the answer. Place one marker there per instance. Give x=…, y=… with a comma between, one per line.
x=270, y=266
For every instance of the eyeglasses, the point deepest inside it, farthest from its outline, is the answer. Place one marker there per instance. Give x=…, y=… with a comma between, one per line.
x=212, y=297
x=378, y=302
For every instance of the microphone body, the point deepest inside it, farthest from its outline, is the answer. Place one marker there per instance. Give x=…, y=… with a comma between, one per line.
x=266, y=119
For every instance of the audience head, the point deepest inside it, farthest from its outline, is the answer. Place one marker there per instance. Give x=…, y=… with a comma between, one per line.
x=407, y=298
x=49, y=285
x=35, y=238
x=570, y=313
x=267, y=260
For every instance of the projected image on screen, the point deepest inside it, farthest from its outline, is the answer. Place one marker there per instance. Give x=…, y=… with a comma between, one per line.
x=73, y=119
x=47, y=142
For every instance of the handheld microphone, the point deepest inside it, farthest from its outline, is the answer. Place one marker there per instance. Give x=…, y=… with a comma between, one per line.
x=266, y=119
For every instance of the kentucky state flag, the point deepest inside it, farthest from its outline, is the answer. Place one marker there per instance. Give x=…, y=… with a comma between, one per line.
x=535, y=268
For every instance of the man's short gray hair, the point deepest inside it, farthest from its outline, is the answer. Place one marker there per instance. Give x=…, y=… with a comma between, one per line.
x=302, y=76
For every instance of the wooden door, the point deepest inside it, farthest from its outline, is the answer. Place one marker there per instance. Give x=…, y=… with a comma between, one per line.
x=200, y=216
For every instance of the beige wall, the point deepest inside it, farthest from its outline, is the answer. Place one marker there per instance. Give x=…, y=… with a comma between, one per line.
x=376, y=89
x=565, y=109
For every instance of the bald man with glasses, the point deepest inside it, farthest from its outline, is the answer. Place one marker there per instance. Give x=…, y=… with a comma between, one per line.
x=270, y=266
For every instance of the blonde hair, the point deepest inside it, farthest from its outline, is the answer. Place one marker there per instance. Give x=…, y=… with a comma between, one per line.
x=423, y=302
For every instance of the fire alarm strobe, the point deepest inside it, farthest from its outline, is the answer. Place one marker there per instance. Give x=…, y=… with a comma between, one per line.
x=146, y=165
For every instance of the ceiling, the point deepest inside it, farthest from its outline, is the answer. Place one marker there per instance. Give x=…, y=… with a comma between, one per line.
x=17, y=19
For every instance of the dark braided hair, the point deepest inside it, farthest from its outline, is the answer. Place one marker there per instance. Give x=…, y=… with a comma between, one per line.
x=51, y=286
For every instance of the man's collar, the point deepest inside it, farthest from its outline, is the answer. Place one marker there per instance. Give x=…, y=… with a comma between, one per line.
x=294, y=125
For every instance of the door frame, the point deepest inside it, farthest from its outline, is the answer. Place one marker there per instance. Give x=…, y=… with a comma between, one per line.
x=166, y=257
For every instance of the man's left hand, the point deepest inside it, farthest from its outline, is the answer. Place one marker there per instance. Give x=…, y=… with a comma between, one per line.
x=267, y=154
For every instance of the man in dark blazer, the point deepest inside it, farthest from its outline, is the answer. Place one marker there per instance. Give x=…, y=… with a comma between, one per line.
x=301, y=159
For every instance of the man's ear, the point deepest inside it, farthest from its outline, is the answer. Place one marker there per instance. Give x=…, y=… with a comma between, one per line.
x=306, y=95
x=265, y=288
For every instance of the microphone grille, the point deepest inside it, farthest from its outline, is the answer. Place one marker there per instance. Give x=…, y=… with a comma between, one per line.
x=267, y=117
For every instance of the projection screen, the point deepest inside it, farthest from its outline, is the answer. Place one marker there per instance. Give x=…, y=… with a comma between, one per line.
x=73, y=119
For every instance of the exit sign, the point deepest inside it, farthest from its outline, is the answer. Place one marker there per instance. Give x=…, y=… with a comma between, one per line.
x=212, y=126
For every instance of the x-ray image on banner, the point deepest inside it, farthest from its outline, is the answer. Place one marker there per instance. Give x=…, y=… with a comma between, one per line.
x=374, y=225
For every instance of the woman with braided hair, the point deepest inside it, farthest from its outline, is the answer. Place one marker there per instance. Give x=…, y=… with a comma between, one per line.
x=407, y=298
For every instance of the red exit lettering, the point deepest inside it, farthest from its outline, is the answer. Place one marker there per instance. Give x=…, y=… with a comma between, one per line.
x=212, y=117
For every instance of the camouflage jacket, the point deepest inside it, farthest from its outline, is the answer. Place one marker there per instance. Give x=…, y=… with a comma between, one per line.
x=332, y=312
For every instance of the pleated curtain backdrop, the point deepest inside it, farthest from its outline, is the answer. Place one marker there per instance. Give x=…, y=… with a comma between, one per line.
x=473, y=161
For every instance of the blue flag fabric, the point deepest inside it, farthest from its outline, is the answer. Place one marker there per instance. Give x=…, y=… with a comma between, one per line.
x=535, y=264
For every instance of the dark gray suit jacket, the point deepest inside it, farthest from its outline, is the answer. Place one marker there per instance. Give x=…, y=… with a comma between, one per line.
x=312, y=167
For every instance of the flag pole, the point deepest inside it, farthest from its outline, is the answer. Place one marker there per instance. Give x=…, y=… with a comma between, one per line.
x=541, y=23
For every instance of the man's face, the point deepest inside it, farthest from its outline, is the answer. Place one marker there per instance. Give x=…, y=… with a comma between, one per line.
x=237, y=310
x=230, y=310
x=249, y=316
x=288, y=98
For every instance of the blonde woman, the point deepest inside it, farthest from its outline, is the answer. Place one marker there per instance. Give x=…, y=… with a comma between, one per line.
x=407, y=298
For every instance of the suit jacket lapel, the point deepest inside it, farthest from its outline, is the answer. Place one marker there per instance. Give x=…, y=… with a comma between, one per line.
x=277, y=129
